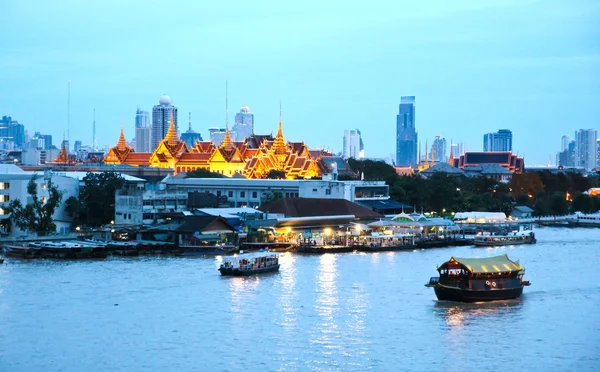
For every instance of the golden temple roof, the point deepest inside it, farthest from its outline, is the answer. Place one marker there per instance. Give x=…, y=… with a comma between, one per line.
x=172, y=138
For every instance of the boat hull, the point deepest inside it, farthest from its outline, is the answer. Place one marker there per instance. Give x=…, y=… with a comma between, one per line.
x=238, y=272
x=500, y=243
x=445, y=293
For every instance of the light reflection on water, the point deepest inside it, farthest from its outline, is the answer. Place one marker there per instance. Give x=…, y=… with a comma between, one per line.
x=351, y=311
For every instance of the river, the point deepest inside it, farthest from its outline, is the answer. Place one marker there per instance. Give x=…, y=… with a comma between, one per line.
x=347, y=311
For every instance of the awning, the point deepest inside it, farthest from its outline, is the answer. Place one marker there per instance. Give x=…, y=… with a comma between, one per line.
x=497, y=264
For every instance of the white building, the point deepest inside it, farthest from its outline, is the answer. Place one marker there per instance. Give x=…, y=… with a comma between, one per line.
x=13, y=185
x=217, y=135
x=141, y=202
x=353, y=144
x=244, y=124
x=37, y=156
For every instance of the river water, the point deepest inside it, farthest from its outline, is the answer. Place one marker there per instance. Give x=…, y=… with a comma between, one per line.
x=348, y=311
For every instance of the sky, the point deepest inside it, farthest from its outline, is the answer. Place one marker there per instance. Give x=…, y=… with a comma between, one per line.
x=475, y=67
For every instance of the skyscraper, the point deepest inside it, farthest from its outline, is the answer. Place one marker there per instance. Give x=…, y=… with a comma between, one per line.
x=190, y=136
x=217, y=135
x=353, y=144
x=11, y=130
x=244, y=124
x=458, y=149
x=500, y=141
x=585, y=149
x=143, y=131
x=161, y=117
x=440, y=149
x=406, y=134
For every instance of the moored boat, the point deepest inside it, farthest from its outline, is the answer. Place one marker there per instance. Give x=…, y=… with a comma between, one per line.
x=20, y=251
x=512, y=238
x=243, y=265
x=479, y=279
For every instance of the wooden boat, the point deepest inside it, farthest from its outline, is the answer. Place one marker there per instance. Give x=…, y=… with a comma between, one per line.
x=243, y=265
x=479, y=279
x=512, y=238
x=20, y=251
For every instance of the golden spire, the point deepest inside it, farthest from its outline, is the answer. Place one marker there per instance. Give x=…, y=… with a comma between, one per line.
x=172, y=138
x=122, y=144
x=279, y=146
x=451, y=158
x=227, y=143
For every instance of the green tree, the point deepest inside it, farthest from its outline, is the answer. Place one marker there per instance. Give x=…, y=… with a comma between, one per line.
x=36, y=216
x=559, y=204
x=203, y=173
x=96, y=203
x=275, y=175
x=582, y=203
x=271, y=197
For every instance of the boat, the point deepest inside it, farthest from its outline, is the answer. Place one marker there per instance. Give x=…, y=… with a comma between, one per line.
x=479, y=279
x=243, y=266
x=511, y=238
x=20, y=251
x=579, y=219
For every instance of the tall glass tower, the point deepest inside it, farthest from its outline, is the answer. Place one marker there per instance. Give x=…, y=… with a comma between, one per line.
x=406, y=134
x=161, y=119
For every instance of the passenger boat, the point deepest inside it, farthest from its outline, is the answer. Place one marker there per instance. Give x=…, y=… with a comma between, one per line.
x=579, y=219
x=479, y=279
x=242, y=266
x=512, y=238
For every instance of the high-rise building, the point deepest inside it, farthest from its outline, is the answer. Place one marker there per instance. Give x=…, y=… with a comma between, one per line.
x=501, y=141
x=244, y=124
x=440, y=149
x=353, y=144
x=190, y=136
x=406, y=134
x=564, y=143
x=143, y=132
x=217, y=135
x=76, y=146
x=585, y=153
x=161, y=117
x=458, y=149
x=11, y=130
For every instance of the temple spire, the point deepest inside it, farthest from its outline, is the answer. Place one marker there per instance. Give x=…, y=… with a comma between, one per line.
x=122, y=143
x=227, y=143
x=172, y=138
x=279, y=146
x=451, y=158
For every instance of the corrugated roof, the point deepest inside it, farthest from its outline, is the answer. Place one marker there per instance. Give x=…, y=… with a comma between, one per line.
x=496, y=264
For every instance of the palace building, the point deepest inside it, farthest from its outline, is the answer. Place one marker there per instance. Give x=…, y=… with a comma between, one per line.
x=254, y=157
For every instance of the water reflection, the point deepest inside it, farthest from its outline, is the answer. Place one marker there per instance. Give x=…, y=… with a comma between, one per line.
x=326, y=304
x=458, y=315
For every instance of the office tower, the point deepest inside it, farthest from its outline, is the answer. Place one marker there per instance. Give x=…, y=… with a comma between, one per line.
x=458, y=149
x=585, y=153
x=190, y=136
x=11, y=130
x=161, y=118
x=564, y=143
x=143, y=132
x=353, y=144
x=406, y=134
x=217, y=135
x=244, y=124
x=76, y=146
x=501, y=141
x=440, y=149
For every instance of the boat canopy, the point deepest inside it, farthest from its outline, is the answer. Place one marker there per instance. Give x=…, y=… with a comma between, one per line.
x=496, y=264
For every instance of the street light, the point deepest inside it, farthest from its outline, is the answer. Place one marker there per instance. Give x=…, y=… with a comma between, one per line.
x=78, y=228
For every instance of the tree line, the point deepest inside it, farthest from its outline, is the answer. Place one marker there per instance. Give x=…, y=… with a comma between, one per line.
x=545, y=192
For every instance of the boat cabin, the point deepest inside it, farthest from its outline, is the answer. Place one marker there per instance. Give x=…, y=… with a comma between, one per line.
x=481, y=273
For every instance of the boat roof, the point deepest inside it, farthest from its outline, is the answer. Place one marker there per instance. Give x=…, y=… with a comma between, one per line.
x=496, y=264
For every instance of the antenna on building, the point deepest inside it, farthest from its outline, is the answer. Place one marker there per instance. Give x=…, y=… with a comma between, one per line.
x=226, y=103
x=190, y=121
x=68, y=112
x=94, y=142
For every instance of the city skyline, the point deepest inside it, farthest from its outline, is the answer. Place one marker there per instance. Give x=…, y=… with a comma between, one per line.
x=536, y=74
